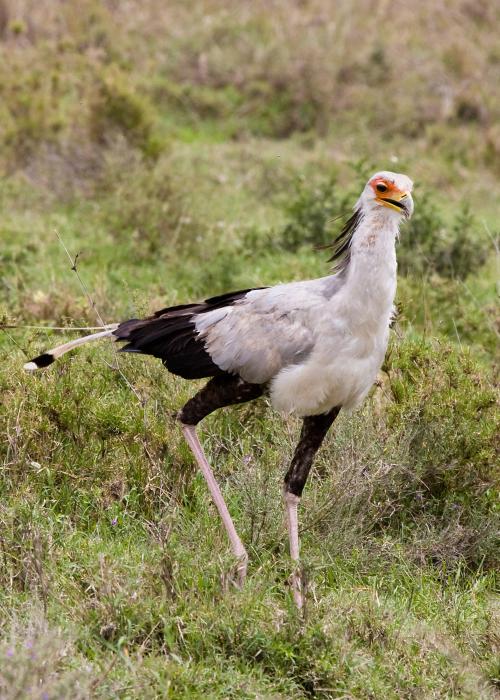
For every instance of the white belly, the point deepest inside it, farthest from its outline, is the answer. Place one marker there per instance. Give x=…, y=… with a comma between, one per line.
x=326, y=379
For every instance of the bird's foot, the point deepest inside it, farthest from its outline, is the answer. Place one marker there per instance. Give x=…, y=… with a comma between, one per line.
x=237, y=573
x=241, y=570
x=296, y=583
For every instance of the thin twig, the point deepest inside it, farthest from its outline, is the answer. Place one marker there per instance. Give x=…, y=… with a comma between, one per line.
x=92, y=303
x=74, y=268
x=14, y=341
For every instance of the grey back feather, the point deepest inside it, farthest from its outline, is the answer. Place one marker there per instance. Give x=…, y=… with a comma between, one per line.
x=267, y=330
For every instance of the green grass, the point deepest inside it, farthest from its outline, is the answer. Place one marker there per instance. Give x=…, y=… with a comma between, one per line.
x=180, y=152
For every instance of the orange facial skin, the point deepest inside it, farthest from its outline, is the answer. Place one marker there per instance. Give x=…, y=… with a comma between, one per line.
x=391, y=191
x=387, y=194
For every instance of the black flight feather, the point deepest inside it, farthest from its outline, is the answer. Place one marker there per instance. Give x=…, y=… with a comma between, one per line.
x=170, y=334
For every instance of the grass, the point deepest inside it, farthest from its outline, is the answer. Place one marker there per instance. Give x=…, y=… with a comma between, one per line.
x=180, y=151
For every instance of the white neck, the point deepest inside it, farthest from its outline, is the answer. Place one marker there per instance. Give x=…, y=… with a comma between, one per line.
x=371, y=273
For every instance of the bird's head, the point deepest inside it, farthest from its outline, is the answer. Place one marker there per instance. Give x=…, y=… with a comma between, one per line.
x=386, y=196
x=389, y=190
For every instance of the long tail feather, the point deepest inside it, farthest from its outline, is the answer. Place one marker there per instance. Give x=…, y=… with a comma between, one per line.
x=66, y=329
x=47, y=358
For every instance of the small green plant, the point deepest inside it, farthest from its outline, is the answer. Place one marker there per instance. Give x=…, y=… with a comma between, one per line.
x=35, y=662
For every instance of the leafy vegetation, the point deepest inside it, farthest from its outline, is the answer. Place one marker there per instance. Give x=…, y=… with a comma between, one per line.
x=178, y=150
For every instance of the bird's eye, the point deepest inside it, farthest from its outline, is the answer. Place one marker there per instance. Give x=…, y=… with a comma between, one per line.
x=381, y=187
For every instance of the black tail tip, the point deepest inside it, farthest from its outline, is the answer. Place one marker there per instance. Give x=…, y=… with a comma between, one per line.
x=43, y=360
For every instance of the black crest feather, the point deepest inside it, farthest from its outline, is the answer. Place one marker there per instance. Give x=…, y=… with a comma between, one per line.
x=341, y=246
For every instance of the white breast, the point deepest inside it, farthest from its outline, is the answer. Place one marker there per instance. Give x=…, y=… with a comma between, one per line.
x=337, y=373
x=352, y=333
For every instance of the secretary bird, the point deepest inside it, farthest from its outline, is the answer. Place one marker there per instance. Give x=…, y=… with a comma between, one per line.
x=313, y=346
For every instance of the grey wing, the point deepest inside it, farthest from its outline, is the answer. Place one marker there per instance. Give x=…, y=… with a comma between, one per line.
x=264, y=332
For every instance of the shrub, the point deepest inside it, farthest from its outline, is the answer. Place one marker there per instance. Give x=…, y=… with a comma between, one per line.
x=118, y=108
x=28, y=116
x=446, y=307
x=142, y=205
x=312, y=213
x=35, y=663
x=444, y=419
x=430, y=244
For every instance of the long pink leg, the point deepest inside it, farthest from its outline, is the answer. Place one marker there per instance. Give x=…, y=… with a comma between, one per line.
x=237, y=547
x=291, y=502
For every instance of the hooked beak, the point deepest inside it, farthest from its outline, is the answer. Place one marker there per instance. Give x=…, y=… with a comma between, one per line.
x=402, y=203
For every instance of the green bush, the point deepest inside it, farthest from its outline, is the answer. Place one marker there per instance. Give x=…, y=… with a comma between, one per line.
x=440, y=306
x=444, y=418
x=29, y=115
x=141, y=205
x=118, y=108
x=313, y=213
